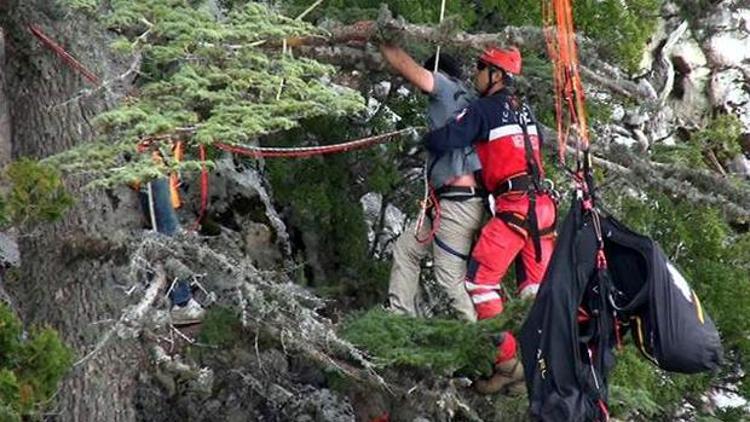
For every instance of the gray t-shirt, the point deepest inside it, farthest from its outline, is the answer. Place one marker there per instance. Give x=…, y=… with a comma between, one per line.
x=448, y=97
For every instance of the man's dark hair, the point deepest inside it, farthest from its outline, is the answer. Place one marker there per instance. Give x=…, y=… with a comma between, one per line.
x=447, y=64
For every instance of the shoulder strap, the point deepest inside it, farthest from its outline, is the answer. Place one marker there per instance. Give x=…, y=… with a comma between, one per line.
x=532, y=168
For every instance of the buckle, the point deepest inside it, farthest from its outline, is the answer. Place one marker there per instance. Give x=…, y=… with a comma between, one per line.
x=549, y=186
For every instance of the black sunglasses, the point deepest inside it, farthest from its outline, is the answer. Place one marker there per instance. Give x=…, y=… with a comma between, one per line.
x=481, y=65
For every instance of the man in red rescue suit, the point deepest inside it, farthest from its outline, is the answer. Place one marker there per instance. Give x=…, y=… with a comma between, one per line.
x=507, y=141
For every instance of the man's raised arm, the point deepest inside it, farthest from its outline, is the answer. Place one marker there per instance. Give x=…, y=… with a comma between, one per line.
x=402, y=63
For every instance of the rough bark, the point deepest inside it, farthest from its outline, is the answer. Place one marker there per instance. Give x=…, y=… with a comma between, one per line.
x=71, y=272
x=4, y=108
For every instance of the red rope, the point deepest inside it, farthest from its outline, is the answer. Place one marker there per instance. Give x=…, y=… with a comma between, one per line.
x=64, y=55
x=303, y=152
x=255, y=152
x=435, y=220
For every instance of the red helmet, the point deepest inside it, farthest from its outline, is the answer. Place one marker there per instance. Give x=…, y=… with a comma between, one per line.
x=508, y=60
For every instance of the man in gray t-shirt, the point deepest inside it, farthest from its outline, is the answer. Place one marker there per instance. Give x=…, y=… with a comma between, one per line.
x=452, y=177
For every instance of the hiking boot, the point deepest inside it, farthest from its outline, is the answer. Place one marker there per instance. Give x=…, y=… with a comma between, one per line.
x=507, y=379
x=191, y=313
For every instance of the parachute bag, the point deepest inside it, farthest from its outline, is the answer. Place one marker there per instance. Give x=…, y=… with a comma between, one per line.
x=569, y=334
x=668, y=323
x=566, y=363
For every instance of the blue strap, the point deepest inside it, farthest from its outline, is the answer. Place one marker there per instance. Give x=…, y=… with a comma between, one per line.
x=450, y=250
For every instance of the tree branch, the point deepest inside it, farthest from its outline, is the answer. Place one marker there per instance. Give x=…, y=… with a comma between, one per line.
x=133, y=315
x=346, y=47
x=695, y=186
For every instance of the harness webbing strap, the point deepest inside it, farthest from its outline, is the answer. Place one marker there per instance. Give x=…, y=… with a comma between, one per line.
x=532, y=168
x=444, y=246
x=515, y=220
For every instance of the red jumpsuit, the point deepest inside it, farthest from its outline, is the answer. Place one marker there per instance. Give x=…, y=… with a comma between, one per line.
x=496, y=125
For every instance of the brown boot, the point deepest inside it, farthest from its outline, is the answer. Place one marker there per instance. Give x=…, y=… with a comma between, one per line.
x=507, y=379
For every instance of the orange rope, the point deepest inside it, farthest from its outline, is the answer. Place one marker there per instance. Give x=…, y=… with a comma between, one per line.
x=569, y=96
x=204, y=186
x=174, y=177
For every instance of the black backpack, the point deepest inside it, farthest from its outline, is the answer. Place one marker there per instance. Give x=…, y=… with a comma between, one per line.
x=584, y=307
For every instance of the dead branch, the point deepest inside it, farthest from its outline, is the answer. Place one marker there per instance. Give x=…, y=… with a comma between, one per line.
x=132, y=316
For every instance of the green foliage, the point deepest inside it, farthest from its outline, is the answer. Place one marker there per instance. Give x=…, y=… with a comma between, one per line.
x=82, y=5
x=7, y=414
x=10, y=337
x=442, y=346
x=205, y=81
x=44, y=360
x=36, y=193
x=620, y=28
x=4, y=217
x=719, y=137
x=221, y=327
x=10, y=391
x=418, y=11
x=30, y=369
x=684, y=153
x=638, y=388
x=322, y=196
x=634, y=22
x=731, y=414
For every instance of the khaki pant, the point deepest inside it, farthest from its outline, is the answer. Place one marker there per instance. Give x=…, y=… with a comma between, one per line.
x=459, y=223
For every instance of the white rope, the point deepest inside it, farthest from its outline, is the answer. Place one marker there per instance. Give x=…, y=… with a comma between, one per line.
x=281, y=84
x=151, y=208
x=425, y=179
x=308, y=10
x=437, y=53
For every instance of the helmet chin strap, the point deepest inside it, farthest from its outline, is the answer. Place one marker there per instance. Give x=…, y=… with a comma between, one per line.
x=491, y=84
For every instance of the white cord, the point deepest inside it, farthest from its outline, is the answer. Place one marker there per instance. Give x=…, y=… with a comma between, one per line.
x=425, y=179
x=151, y=208
x=437, y=53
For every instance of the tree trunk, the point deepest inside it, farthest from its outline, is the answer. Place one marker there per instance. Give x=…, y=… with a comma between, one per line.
x=71, y=271
x=4, y=109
